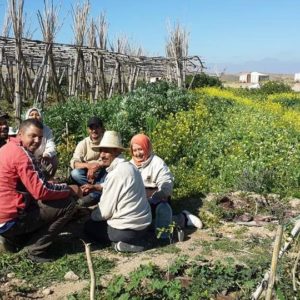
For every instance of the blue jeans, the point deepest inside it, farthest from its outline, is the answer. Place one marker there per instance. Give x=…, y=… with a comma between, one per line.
x=80, y=177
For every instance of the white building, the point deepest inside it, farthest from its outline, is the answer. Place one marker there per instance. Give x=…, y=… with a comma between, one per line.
x=253, y=77
x=258, y=77
x=245, y=78
x=297, y=77
x=154, y=79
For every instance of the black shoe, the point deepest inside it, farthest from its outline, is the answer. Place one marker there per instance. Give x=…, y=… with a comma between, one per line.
x=87, y=201
x=125, y=247
x=39, y=258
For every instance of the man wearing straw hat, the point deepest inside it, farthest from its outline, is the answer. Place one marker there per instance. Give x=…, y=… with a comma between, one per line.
x=123, y=214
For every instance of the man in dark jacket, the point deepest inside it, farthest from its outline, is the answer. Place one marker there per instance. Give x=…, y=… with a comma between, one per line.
x=31, y=207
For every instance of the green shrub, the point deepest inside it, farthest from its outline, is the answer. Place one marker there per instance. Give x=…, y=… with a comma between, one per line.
x=272, y=87
x=223, y=145
x=202, y=80
x=134, y=112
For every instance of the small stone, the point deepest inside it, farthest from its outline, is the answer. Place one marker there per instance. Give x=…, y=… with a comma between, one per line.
x=47, y=292
x=71, y=276
x=11, y=275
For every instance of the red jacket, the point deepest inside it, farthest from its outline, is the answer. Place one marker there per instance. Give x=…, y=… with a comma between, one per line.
x=19, y=172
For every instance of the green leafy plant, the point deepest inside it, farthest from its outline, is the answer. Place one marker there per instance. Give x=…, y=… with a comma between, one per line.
x=168, y=231
x=202, y=80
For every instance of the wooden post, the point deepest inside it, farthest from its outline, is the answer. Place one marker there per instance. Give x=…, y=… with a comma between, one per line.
x=16, y=13
x=274, y=262
x=87, y=247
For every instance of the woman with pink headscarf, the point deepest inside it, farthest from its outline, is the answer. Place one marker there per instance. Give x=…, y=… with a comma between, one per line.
x=158, y=181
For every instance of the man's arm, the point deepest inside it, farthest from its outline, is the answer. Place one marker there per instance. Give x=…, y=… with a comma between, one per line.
x=78, y=156
x=32, y=178
x=77, y=161
x=110, y=197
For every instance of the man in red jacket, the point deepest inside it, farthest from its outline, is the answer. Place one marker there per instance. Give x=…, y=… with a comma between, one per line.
x=31, y=207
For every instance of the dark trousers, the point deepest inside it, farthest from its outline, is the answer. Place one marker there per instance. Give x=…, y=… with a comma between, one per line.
x=103, y=233
x=40, y=223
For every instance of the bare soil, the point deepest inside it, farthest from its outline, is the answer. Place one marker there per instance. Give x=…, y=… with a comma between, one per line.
x=214, y=243
x=161, y=257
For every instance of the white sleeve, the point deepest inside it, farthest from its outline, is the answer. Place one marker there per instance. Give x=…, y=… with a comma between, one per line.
x=110, y=196
x=50, y=145
x=164, y=180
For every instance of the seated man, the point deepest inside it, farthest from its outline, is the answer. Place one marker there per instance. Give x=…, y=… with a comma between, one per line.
x=3, y=128
x=31, y=208
x=46, y=153
x=86, y=163
x=123, y=215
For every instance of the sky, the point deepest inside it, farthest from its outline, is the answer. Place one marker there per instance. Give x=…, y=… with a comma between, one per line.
x=231, y=35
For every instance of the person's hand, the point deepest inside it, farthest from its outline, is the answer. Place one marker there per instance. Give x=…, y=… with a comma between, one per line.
x=90, y=176
x=75, y=190
x=150, y=192
x=95, y=166
x=92, y=169
x=87, y=188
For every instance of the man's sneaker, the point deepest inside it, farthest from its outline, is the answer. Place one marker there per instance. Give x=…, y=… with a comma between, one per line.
x=163, y=220
x=39, y=258
x=192, y=220
x=87, y=201
x=125, y=247
x=5, y=245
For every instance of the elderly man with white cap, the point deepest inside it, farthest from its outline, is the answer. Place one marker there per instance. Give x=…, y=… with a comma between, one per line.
x=123, y=214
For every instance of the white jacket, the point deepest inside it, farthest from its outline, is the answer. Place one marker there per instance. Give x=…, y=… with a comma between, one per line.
x=156, y=174
x=123, y=202
x=47, y=146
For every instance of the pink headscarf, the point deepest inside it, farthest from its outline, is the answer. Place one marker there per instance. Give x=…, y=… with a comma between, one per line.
x=144, y=142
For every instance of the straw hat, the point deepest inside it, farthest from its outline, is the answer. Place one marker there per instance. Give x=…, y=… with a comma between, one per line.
x=111, y=139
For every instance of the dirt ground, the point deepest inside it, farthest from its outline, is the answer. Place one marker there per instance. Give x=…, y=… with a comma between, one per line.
x=190, y=247
x=237, y=239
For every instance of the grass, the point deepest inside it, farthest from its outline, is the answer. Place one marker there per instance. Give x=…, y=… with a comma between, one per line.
x=240, y=232
x=40, y=275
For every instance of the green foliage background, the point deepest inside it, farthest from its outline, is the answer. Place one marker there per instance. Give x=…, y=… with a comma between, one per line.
x=225, y=145
x=213, y=139
x=129, y=114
